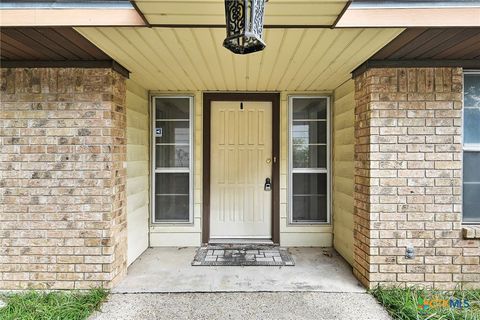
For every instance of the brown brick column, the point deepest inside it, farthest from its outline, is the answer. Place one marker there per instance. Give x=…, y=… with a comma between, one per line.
x=408, y=152
x=62, y=178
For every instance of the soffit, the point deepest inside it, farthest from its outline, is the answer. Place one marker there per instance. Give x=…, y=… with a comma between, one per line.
x=47, y=44
x=433, y=44
x=187, y=59
x=212, y=12
x=429, y=47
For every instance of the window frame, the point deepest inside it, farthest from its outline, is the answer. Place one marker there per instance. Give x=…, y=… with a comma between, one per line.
x=154, y=170
x=292, y=170
x=468, y=148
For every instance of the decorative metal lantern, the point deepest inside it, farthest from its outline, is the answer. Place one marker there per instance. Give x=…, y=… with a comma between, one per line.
x=244, y=25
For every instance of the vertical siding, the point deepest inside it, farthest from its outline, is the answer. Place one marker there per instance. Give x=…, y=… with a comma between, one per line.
x=137, y=170
x=343, y=169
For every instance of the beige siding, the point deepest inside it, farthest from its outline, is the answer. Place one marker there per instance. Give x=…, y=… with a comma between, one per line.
x=343, y=165
x=137, y=170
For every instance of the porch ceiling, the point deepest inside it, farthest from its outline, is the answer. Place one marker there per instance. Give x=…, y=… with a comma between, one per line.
x=212, y=12
x=188, y=59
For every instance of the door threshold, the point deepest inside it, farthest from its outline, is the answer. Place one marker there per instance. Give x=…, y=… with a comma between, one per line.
x=241, y=241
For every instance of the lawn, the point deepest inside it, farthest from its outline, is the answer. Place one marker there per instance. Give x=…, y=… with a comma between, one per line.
x=35, y=305
x=413, y=304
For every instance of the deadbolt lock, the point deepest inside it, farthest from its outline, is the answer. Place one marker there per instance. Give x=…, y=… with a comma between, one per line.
x=268, y=185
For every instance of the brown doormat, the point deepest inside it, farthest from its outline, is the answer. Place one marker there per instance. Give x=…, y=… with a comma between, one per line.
x=242, y=255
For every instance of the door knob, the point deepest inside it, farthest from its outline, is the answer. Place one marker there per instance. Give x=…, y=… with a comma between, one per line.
x=268, y=185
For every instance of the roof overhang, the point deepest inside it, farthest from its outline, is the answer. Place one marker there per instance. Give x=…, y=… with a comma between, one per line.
x=428, y=47
x=45, y=13
x=58, y=47
x=211, y=13
x=193, y=59
x=410, y=13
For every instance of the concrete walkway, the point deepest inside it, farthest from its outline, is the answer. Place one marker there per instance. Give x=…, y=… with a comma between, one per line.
x=162, y=284
x=167, y=270
x=244, y=306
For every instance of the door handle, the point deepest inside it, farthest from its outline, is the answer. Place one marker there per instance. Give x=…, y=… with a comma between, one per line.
x=268, y=185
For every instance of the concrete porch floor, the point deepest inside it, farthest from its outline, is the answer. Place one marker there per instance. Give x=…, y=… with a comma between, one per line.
x=161, y=270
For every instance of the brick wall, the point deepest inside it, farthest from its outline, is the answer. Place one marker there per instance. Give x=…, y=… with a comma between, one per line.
x=62, y=178
x=408, y=161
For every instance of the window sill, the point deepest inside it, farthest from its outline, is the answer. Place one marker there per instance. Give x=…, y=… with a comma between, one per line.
x=471, y=232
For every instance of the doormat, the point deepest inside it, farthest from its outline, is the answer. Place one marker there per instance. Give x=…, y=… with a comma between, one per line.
x=242, y=255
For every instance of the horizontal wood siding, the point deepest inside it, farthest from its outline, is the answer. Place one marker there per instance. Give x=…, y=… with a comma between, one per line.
x=137, y=170
x=343, y=169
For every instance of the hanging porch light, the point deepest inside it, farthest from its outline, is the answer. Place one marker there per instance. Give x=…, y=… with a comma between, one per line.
x=244, y=25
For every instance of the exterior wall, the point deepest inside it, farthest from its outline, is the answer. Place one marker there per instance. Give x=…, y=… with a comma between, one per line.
x=190, y=235
x=408, y=180
x=343, y=119
x=138, y=170
x=62, y=178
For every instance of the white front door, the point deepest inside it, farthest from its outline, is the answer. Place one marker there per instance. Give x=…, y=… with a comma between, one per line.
x=241, y=161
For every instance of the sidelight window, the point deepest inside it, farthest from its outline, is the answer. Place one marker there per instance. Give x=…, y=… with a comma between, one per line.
x=471, y=148
x=172, y=159
x=309, y=160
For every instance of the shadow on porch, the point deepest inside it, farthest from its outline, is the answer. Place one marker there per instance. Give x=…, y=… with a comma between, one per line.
x=170, y=270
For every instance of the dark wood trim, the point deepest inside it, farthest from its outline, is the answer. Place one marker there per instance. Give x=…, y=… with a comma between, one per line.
x=140, y=13
x=66, y=64
x=207, y=129
x=120, y=69
x=468, y=64
x=274, y=98
x=448, y=41
x=396, y=44
x=44, y=50
x=422, y=39
x=276, y=169
x=345, y=8
x=360, y=69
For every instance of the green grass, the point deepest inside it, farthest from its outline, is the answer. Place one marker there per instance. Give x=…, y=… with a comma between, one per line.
x=35, y=305
x=404, y=303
